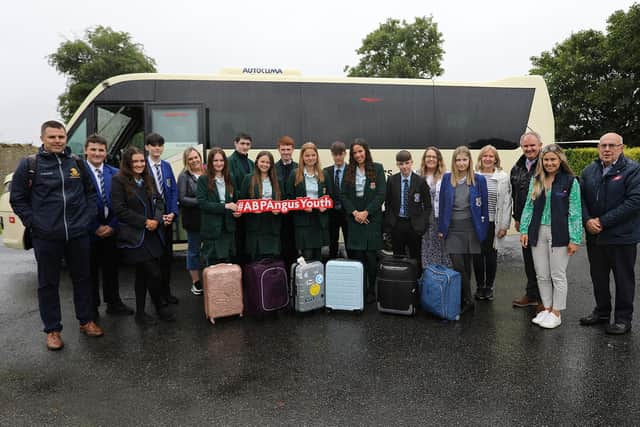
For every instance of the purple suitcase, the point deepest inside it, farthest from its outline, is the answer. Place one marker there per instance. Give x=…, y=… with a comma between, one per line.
x=265, y=286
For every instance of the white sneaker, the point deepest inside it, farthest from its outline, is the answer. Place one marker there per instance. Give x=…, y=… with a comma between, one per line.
x=550, y=321
x=540, y=317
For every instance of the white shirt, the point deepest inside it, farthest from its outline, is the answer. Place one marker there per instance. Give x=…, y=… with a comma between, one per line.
x=154, y=173
x=311, y=184
x=361, y=178
x=94, y=170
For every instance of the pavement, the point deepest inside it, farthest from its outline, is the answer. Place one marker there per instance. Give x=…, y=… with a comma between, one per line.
x=493, y=367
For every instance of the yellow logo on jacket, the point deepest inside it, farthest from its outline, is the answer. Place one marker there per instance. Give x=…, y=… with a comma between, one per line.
x=74, y=173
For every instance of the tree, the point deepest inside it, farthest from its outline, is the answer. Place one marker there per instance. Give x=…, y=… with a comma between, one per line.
x=594, y=80
x=399, y=49
x=103, y=53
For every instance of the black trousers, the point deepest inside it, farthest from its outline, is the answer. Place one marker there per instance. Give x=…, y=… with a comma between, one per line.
x=532, y=282
x=165, y=262
x=620, y=259
x=337, y=221
x=49, y=255
x=369, y=261
x=462, y=264
x=104, y=259
x=485, y=263
x=314, y=254
x=148, y=278
x=403, y=236
x=287, y=240
x=240, y=236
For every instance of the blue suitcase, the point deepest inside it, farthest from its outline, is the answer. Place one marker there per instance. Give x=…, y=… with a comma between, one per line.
x=440, y=293
x=343, y=285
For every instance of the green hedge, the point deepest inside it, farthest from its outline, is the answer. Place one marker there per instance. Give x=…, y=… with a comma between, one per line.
x=579, y=158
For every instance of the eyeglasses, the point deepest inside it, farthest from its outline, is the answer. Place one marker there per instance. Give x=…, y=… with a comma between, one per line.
x=608, y=146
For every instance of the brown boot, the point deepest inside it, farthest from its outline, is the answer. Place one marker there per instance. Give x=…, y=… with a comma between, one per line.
x=91, y=329
x=524, y=302
x=54, y=341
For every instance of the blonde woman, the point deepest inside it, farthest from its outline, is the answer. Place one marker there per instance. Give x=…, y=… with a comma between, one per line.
x=499, y=191
x=432, y=169
x=464, y=217
x=189, y=212
x=311, y=226
x=552, y=224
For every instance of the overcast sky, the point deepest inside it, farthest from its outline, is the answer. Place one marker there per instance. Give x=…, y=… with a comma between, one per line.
x=485, y=40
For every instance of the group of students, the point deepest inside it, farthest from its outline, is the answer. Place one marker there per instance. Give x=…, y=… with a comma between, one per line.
x=96, y=216
x=431, y=217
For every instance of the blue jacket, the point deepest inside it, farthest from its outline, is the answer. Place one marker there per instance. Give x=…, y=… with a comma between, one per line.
x=169, y=186
x=615, y=199
x=60, y=204
x=478, y=201
x=108, y=172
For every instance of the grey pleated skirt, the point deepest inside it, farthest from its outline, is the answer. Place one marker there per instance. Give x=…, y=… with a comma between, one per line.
x=461, y=238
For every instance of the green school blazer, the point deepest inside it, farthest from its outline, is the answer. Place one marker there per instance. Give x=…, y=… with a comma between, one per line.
x=311, y=228
x=262, y=230
x=217, y=224
x=236, y=171
x=365, y=236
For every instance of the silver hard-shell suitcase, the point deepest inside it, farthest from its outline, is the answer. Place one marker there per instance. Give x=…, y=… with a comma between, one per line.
x=344, y=280
x=307, y=285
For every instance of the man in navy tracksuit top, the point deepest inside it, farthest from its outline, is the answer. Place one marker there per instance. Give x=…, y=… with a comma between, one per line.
x=57, y=202
x=610, y=189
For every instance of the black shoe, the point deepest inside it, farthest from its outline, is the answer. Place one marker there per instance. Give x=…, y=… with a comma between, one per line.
x=480, y=294
x=370, y=299
x=119, y=308
x=488, y=293
x=467, y=306
x=171, y=299
x=144, y=319
x=165, y=314
x=617, y=328
x=593, y=319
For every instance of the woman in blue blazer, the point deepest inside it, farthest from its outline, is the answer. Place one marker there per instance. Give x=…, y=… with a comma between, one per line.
x=463, y=220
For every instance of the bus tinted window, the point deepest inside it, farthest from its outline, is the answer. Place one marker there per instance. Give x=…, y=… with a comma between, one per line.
x=477, y=116
x=390, y=116
x=264, y=110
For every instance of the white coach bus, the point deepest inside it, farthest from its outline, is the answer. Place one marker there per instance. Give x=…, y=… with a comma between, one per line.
x=391, y=114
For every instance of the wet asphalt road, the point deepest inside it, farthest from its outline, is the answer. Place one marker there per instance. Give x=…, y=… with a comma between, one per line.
x=494, y=367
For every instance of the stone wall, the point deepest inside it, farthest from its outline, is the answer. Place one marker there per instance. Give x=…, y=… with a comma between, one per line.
x=10, y=155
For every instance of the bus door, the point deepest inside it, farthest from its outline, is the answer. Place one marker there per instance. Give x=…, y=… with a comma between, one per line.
x=181, y=126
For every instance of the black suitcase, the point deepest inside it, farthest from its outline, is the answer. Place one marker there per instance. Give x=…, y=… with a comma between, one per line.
x=397, y=285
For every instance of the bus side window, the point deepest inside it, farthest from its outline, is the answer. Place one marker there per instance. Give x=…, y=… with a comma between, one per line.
x=76, y=140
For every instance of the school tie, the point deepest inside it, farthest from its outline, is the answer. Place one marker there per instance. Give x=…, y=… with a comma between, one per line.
x=103, y=192
x=405, y=198
x=337, y=204
x=159, y=178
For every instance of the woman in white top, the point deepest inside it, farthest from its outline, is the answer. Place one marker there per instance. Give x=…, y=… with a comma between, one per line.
x=485, y=263
x=432, y=168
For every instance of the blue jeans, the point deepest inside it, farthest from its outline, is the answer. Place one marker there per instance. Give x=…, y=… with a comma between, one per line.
x=193, y=250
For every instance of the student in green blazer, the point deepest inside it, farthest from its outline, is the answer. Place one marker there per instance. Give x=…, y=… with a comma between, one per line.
x=363, y=193
x=263, y=229
x=240, y=166
x=216, y=200
x=311, y=226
